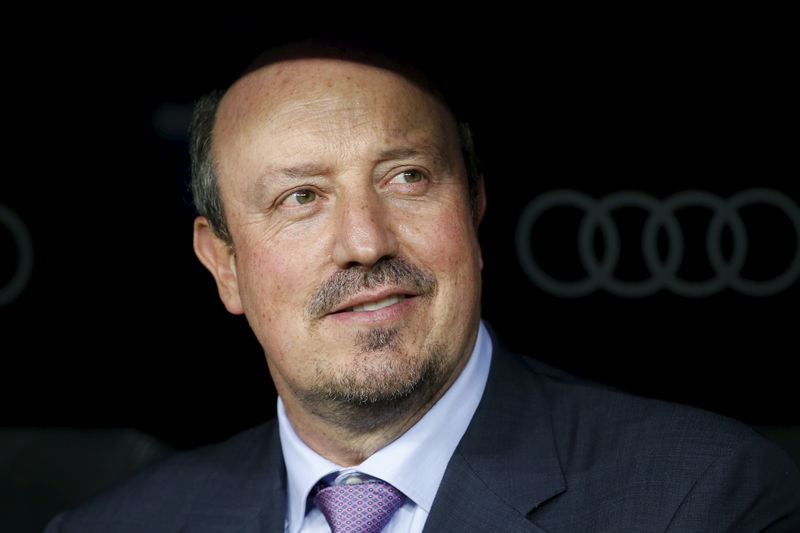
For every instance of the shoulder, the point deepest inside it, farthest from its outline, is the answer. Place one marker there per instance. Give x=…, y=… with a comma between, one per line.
x=586, y=412
x=696, y=470
x=164, y=496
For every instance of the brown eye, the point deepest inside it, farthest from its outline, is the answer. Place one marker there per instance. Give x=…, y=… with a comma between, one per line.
x=302, y=197
x=409, y=176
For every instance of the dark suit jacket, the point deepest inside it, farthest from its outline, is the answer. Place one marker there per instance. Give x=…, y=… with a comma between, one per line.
x=544, y=452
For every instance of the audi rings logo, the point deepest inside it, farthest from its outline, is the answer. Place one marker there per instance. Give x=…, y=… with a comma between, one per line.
x=22, y=239
x=661, y=214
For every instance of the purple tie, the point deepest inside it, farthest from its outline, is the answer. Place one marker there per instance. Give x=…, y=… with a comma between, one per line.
x=358, y=507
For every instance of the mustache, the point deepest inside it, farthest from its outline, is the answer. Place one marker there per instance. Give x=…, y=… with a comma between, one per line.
x=387, y=271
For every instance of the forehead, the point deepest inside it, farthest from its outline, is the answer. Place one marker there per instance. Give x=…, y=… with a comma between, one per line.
x=344, y=105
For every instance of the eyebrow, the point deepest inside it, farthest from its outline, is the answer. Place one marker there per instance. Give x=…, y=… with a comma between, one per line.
x=312, y=169
x=434, y=153
x=258, y=188
x=300, y=171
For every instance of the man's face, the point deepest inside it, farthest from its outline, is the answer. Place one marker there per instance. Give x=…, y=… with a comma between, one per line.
x=356, y=256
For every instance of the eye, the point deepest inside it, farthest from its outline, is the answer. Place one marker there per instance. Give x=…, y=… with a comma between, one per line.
x=408, y=176
x=301, y=197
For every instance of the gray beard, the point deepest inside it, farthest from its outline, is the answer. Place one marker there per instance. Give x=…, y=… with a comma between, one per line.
x=376, y=393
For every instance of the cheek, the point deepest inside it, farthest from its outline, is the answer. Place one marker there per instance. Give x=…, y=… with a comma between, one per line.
x=447, y=245
x=274, y=284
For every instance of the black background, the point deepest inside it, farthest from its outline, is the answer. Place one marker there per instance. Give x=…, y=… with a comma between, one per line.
x=121, y=326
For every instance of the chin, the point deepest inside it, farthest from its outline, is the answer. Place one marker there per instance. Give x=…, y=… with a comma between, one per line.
x=378, y=386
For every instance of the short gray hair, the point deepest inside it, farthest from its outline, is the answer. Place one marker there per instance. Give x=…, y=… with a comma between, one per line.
x=205, y=185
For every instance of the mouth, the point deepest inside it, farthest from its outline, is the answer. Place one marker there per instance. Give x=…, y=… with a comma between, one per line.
x=391, y=287
x=376, y=304
x=375, y=307
x=373, y=301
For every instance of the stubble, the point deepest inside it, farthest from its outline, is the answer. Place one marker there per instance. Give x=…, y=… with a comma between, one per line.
x=382, y=382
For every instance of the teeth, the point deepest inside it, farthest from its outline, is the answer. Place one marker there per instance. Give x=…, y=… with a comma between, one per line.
x=378, y=304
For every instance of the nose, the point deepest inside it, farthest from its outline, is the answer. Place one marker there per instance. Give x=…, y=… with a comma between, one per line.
x=363, y=232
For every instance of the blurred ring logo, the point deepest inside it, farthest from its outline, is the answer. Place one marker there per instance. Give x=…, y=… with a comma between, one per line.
x=660, y=214
x=13, y=287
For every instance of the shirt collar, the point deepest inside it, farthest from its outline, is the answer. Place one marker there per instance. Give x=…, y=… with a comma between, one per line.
x=415, y=462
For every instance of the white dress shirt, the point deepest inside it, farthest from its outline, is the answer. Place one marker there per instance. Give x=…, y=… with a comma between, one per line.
x=414, y=463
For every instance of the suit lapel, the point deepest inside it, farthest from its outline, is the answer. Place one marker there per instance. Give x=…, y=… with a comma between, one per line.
x=506, y=464
x=247, y=494
x=464, y=502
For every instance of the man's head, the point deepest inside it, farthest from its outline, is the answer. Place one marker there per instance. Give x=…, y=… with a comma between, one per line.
x=349, y=237
x=205, y=188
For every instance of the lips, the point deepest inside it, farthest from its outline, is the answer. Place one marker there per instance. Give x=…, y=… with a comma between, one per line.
x=345, y=291
x=373, y=302
x=379, y=304
x=375, y=309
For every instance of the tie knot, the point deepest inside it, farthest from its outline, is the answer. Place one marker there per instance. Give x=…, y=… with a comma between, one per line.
x=364, y=507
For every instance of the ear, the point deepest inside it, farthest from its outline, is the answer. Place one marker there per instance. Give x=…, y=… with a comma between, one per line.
x=220, y=260
x=480, y=209
x=480, y=202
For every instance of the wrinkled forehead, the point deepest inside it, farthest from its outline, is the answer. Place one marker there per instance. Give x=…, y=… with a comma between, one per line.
x=286, y=95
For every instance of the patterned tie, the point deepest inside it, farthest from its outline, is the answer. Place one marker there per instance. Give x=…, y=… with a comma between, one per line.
x=358, y=507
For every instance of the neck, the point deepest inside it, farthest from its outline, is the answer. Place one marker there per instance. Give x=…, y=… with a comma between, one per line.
x=349, y=417
x=348, y=431
x=350, y=444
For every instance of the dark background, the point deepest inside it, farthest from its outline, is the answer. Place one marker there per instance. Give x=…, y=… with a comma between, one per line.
x=120, y=326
